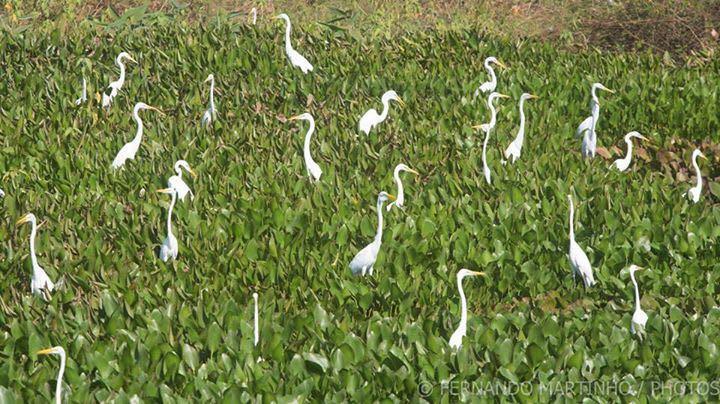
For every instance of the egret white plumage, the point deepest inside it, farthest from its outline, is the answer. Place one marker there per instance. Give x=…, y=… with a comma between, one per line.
x=177, y=183
x=487, y=127
x=639, y=318
x=296, y=59
x=364, y=260
x=83, y=96
x=2, y=193
x=623, y=163
x=253, y=12
x=313, y=169
x=129, y=150
x=41, y=284
x=587, y=128
x=59, y=351
x=694, y=192
x=169, y=248
x=112, y=90
x=209, y=115
x=512, y=153
x=371, y=118
x=256, y=329
x=578, y=260
x=457, y=336
x=400, y=200
x=490, y=85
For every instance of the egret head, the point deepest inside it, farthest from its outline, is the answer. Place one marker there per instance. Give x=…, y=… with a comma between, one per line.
x=466, y=272
x=392, y=95
x=125, y=55
x=210, y=77
x=305, y=117
x=404, y=167
x=384, y=196
x=184, y=164
x=56, y=350
x=167, y=191
x=635, y=134
x=25, y=219
x=496, y=95
x=283, y=16
x=599, y=86
x=697, y=153
x=528, y=96
x=634, y=268
x=493, y=59
x=141, y=105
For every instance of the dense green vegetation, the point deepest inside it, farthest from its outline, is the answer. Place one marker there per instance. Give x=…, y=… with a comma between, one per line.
x=135, y=326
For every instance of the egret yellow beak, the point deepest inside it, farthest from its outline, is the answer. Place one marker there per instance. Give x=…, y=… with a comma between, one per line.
x=22, y=220
x=533, y=96
x=194, y=175
x=130, y=58
x=166, y=191
x=391, y=197
x=401, y=102
x=410, y=170
x=293, y=118
x=501, y=64
x=276, y=17
x=475, y=273
x=157, y=110
x=609, y=90
x=476, y=127
x=47, y=351
x=643, y=138
x=207, y=79
x=503, y=95
x=702, y=156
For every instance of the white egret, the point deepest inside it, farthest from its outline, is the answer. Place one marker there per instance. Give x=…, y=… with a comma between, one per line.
x=487, y=127
x=587, y=128
x=489, y=86
x=253, y=12
x=209, y=115
x=129, y=150
x=457, y=336
x=83, y=96
x=257, y=329
x=371, y=118
x=400, y=200
x=169, y=248
x=296, y=59
x=112, y=90
x=178, y=184
x=2, y=194
x=623, y=163
x=41, y=284
x=365, y=259
x=59, y=351
x=313, y=169
x=694, y=192
x=516, y=145
x=639, y=318
x=578, y=260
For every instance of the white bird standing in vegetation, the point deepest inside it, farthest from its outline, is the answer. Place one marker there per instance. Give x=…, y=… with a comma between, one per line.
x=457, y=336
x=129, y=150
x=400, y=201
x=83, y=96
x=516, y=145
x=313, y=169
x=59, y=351
x=112, y=90
x=487, y=127
x=587, y=128
x=639, y=318
x=169, y=248
x=41, y=284
x=623, y=163
x=365, y=259
x=694, y=192
x=490, y=85
x=257, y=329
x=371, y=118
x=296, y=59
x=578, y=260
x=178, y=184
x=209, y=115
x=253, y=12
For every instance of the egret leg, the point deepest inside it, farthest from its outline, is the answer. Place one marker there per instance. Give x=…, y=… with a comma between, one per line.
x=371, y=270
x=362, y=273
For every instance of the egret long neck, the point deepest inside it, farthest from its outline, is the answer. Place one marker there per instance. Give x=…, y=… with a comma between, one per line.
x=169, y=218
x=308, y=135
x=121, y=65
x=212, y=97
x=288, y=27
x=400, y=189
x=637, y=290
x=493, y=115
x=386, y=108
x=491, y=72
x=521, y=131
x=33, y=233
x=139, y=132
x=378, y=235
x=628, y=156
x=698, y=173
x=257, y=331
x=572, y=216
x=463, y=304
x=58, y=385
